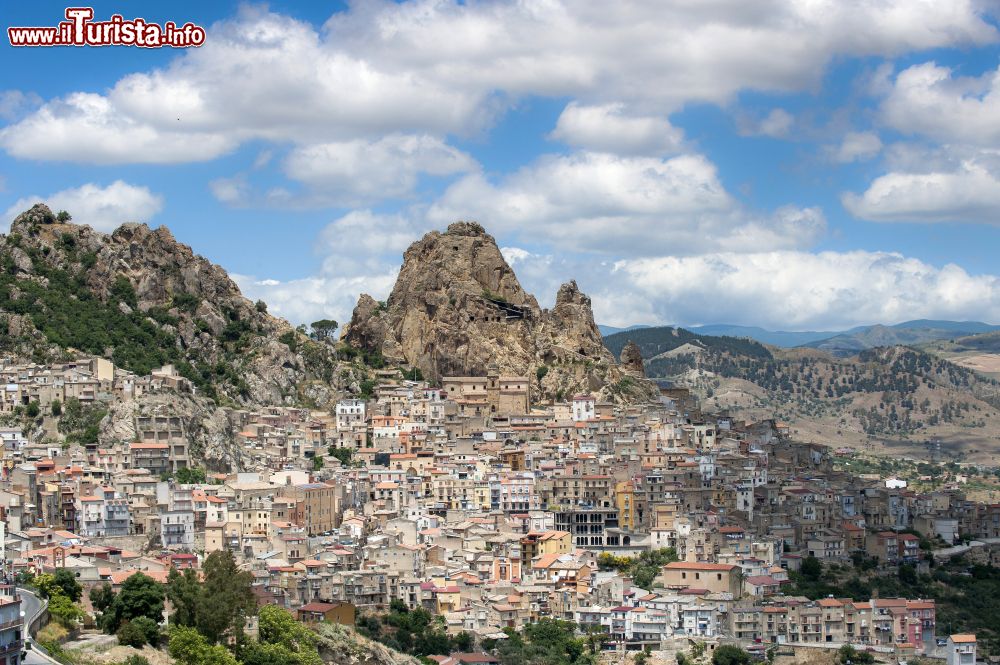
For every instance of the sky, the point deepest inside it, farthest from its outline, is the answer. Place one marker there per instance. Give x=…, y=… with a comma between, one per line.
x=790, y=164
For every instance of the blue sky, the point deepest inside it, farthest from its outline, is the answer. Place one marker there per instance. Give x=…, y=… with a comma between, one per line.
x=784, y=164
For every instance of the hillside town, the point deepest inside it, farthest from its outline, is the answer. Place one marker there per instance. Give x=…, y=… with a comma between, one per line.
x=654, y=526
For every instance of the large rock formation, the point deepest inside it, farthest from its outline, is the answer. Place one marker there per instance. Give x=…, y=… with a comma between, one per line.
x=178, y=307
x=631, y=360
x=457, y=308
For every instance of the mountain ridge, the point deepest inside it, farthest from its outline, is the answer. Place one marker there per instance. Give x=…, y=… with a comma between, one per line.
x=934, y=329
x=142, y=299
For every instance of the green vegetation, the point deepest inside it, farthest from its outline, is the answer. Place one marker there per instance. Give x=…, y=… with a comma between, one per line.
x=545, y=642
x=345, y=455
x=81, y=424
x=654, y=341
x=139, y=631
x=190, y=475
x=70, y=314
x=141, y=596
x=541, y=372
x=727, y=654
x=413, y=374
x=848, y=655
x=62, y=591
x=643, y=569
x=967, y=597
x=324, y=330
x=217, y=606
x=414, y=632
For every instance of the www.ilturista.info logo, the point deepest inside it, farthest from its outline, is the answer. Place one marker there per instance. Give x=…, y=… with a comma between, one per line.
x=79, y=29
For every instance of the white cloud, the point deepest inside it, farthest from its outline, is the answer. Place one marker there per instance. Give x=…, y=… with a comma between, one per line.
x=608, y=128
x=928, y=100
x=441, y=67
x=777, y=124
x=86, y=127
x=104, y=208
x=970, y=193
x=799, y=290
x=856, y=147
x=606, y=203
x=351, y=172
x=362, y=253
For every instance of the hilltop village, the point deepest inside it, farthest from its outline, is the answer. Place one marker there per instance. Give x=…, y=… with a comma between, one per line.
x=652, y=526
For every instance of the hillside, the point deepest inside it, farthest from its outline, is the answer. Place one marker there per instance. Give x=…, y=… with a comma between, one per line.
x=654, y=341
x=897, y=394
x=909, y=333
x=845, y=342
x=141, y=299
x=977, y=352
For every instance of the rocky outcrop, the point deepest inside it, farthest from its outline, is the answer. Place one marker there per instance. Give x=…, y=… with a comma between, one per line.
x=342, y=646
x=631, y=360
x=210, y=430
x=203, y=323
x=457, y=308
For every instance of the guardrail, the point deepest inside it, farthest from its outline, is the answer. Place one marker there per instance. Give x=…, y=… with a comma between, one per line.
x=34, y=623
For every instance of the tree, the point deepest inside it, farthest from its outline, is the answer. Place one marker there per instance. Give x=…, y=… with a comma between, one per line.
x=66, y=581
x=727, y=654
x=62, y=217
x=184, y=592
x=131, y=635
x=226, y=598
x=65, y=610
x=324, y=329
x=56, y=408
x=150, y=629
x=811, y=568
x=464, y=642
x=101, y=597
x=190, y=475
x=33, y=409
x=277, y=626
x=141, y=596
x=188, y=647
x=848, y=654
x=342, y=454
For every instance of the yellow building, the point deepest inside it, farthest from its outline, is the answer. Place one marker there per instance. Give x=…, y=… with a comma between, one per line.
x=545, y=542
x=625, y=502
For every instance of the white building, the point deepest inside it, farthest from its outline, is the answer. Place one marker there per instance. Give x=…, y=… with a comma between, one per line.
x=961, y=650
x=584, y=408
x=177, y=529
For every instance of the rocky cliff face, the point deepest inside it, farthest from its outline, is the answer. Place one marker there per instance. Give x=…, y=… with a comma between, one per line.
x=631, y=360
x=457, y=308
x=210, y=431
x=142, y=299
x=338, y=645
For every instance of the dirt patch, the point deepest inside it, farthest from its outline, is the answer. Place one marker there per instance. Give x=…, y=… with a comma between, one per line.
x=118, y=654
x=988, y=363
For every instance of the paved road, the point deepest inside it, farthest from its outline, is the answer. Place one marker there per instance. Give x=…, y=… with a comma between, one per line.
x=31, y=605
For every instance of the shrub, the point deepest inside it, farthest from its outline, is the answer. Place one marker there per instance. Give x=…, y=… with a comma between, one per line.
x=131, y=635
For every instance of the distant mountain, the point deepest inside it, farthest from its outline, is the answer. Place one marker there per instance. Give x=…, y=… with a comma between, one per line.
x=839, y=342
x=662, y=339
x=780, y=338
x=907, y=333
x=891, y=391
x=611, y=330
